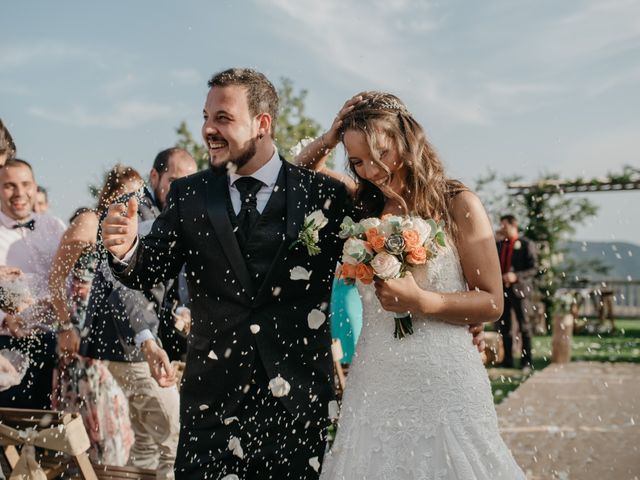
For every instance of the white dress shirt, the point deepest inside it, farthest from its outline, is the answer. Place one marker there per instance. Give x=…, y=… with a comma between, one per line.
x=32, y=251
x=267, y=174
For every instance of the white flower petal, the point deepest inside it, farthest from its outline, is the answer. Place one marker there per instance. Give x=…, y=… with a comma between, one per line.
x=316, y=318
x=318, y=218
x=231, y=476
x=333, y=409
x=230, y=420
x=212, y=355
x=315, y=463
x=204, y=407
x=300, y=273
x=235, y=447
x=254, y=328
x=279, y=387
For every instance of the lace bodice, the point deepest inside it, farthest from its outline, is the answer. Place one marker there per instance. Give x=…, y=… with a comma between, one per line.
x=419, y=407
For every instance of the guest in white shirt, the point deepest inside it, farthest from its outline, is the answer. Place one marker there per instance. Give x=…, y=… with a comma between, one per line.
x=29, y=242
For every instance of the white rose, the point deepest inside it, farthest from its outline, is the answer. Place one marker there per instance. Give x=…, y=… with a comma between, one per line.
x=355, y=251
x=318, y=218
x=386, y=266
x=423, y=229
x=279, y=387
x=368, y=223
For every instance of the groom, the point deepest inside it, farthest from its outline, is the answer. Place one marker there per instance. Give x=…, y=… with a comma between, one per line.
x=258, y=378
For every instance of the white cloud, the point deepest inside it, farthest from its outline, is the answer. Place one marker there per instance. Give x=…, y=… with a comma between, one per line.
x=12, y=56
x=596, y=154
x=128, y=114
x=370, y=43
x=187, y=76
x=122, y=84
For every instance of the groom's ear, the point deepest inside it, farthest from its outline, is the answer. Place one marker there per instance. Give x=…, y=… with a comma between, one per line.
x=264, y=124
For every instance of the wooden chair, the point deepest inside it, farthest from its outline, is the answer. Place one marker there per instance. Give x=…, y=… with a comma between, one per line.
x=57, y=433
x=20, y=427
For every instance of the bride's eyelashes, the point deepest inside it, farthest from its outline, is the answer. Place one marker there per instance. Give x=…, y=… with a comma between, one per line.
x=355, y=162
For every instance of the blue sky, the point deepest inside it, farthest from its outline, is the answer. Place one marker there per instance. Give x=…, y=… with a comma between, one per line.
x=519, y=87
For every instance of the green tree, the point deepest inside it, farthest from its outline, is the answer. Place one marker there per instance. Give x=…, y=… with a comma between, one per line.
x=196, y=148
x=293, y=126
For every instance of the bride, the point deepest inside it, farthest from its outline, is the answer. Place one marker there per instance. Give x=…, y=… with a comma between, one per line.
x=419, y=407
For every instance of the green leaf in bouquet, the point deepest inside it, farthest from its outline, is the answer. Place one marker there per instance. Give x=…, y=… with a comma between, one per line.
x=440, y=239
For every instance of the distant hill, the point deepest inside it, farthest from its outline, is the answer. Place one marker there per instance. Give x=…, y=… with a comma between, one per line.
x=622, y=258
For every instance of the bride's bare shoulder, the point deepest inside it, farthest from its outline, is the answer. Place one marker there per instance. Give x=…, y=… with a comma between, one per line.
x=468, y=213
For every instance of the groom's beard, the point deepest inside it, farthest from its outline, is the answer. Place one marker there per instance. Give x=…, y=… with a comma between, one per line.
x=240, y=160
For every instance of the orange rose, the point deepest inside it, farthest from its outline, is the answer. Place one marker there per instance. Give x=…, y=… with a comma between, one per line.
x=417, y=256
x=364, y=273
x=348, y=271
x=371, y=233
x=411, y=240
x=377, y=243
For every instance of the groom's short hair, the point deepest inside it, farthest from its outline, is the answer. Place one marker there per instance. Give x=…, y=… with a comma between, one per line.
x=261, y=94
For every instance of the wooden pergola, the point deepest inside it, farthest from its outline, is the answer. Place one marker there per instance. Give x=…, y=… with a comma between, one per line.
x=575, y=186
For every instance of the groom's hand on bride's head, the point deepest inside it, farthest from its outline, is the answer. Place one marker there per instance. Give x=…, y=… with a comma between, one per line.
x=477, y=330
x=120, y=227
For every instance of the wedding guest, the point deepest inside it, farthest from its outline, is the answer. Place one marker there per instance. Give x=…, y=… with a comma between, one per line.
x=7, y=147
x=518, y=263
x=41, y=204
x=125, y=329
x=83, y=384
x=28, y=241
x=346, y=317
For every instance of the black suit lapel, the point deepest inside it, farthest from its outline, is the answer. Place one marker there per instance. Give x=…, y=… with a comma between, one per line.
x=297, y=196
x=218, y=215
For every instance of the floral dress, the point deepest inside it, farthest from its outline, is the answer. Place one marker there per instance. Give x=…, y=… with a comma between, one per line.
x=86, y=386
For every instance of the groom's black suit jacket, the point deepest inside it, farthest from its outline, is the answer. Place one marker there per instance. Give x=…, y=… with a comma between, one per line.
x=197, y=228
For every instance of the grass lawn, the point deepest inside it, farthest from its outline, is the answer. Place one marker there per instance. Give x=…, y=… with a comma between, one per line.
x=620, y=346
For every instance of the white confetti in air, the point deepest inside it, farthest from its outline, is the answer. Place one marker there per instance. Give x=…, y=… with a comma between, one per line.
x=230, y=420
x=231, y=476
x=254, y=328
x=316, y=318
x=315, y=463
x=227, y=353
x=231, y=168
x=212, y=355
x=204, y=407
x=333, y=410
x=279, y=387
x=235, y=447
x=300, y=273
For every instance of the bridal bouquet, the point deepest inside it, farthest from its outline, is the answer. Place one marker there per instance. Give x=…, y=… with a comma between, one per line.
x=385, y=248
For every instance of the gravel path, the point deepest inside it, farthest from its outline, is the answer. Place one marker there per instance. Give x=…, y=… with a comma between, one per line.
x=578, y=421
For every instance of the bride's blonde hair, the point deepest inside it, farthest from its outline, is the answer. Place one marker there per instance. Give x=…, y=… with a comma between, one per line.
x=428, y=191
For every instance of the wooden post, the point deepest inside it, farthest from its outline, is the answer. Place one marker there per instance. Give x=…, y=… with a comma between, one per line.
x=561, y=339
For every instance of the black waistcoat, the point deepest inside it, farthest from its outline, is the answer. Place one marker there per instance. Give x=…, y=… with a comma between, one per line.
x=261, y=248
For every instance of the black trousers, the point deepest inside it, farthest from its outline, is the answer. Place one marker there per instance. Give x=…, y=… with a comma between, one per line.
x=35, y=389
x=516, y=302
x=275, y=444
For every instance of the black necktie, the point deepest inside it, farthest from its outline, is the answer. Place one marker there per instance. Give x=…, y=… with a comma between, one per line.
x=248, y=188
x=31, y=225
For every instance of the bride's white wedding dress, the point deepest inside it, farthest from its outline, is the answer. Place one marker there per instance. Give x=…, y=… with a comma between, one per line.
x=419, y=408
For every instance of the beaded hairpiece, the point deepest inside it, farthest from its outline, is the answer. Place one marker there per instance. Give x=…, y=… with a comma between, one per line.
x=387, y=105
